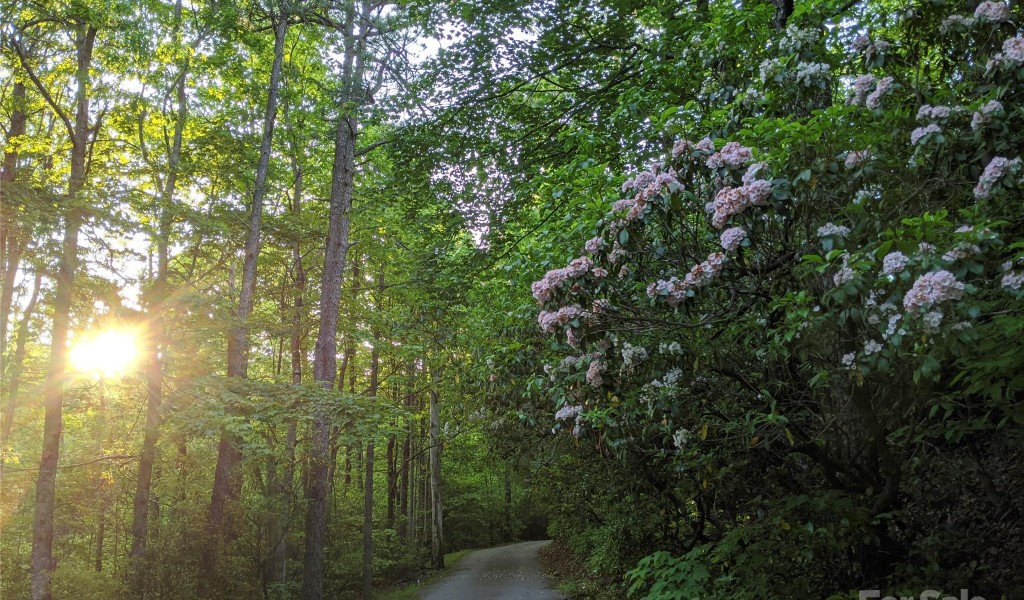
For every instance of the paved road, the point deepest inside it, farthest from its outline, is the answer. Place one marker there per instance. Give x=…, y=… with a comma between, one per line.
x=504, y=573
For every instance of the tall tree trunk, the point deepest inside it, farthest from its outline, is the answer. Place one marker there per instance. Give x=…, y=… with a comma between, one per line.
x=368, y=492
x=347, y=367
x=227, y=483
x=278, y=564
x=392, y=481
x=42, y=526
x=154, y=364
x=403, y=491
x=102, y=491
x=508, y=507
x=353, y=94
x=12, y=244
x=436, y=510
x=16, y=365
x=324, y=353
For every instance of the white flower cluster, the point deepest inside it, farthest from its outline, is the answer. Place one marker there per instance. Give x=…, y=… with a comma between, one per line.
x=670, y=348
x=807, y=73
x=797, y=39
x=1013, y=280
x=956, y=22
x=830, y=229
x=845, y=274
x=567, y=412
x=633, y=355
x=681, y=437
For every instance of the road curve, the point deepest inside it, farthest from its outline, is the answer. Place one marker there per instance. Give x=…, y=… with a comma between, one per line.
x=505, y=573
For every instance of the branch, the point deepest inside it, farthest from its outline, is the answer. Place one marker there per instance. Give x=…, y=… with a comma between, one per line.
x=372, y=147
x=43, y=91
x=82, y=464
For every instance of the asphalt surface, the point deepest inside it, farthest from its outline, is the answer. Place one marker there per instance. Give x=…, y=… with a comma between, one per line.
x=504, y=573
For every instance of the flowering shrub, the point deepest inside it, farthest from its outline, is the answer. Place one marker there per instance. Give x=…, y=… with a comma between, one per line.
x=842, y=292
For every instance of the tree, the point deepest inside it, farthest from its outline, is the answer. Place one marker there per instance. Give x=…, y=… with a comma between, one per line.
x=77, y=123
x=227, y=481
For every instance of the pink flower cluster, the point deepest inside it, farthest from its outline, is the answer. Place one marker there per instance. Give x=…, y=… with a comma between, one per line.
x=549, y=320
x=861, y=43
x=960, y=252
x=918, y=134
x=932, y=288
x=733, y=154
x=753, y=172
x=682, y=147
x=855, y=158
x=701, y=274
x=733, y=237
x=992, y=12
x=874, y=99
x=1013, y=54
x=544, y=289
x=997, y=168
x=731, y=201
x=831, y=229
x=861, y=88
x=597, y=367
x=593, y=245
x=864, y=44
x=706, y=145
x=932, y=113
x=647, y=184
x=863, y=84
x=618, y=253
x=984, y=114
x=894, y=262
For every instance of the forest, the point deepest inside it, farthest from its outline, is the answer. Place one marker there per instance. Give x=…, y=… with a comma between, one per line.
x=299, y=296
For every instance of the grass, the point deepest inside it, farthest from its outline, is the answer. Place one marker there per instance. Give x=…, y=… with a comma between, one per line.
x=412, y=591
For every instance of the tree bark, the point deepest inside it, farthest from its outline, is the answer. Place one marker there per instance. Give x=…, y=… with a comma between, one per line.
x=15, y=366
x=436, y=509
x=42, y=527
x=403, y=492
x=227, y=481
x=392, y=481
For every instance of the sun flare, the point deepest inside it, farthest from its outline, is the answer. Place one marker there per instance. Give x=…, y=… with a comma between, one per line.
x=108, y=353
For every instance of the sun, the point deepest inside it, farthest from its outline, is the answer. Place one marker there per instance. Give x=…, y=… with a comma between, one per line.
x=106, y=353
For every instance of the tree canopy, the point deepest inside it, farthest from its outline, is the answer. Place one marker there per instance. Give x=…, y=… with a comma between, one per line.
x=299, y=295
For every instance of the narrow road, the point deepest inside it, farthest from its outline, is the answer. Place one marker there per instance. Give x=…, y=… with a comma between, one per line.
x=504, y=573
